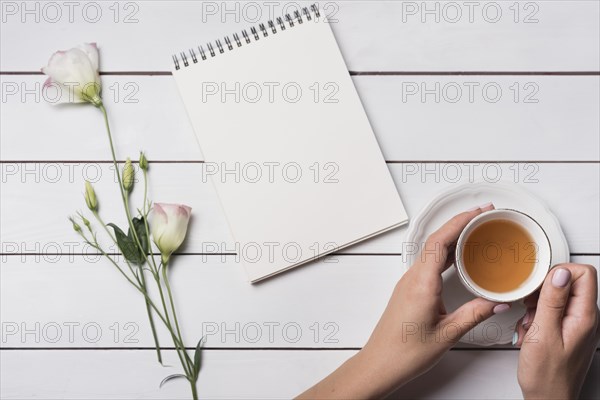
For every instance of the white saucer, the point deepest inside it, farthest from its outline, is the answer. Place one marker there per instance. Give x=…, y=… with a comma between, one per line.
x=498, y=329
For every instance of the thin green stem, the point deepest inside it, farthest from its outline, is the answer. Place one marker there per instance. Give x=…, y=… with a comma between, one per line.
x=115, y=264
x=114, y=156
x=194, y=389
x=174, y=313
x=180, y=348
x=151, y=264
x=145, y=294
x=151, y=317
x=178, y=341
x=141, y=279
x=121, y=189
x=131, y=227
x=146, y=212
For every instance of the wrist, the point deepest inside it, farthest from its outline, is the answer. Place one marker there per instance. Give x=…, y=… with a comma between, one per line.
x=358, y=377
x=550, y=393
x=383, y=369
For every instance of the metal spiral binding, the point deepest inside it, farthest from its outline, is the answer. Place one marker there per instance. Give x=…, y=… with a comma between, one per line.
x=191, y=56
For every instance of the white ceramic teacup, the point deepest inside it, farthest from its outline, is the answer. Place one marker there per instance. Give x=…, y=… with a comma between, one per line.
x=543, y=259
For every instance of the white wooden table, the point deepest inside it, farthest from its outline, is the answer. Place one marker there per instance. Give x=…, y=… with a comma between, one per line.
x=72, y=329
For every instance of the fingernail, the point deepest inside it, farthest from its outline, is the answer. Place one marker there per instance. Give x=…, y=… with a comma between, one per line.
x=473, y=209
x=486, y=205
x=561, y=277
x=500, y=308
x=526, y=318
x=515, y=338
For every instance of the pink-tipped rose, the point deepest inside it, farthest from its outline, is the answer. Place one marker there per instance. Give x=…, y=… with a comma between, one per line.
x=75, y=73
x=169, y=223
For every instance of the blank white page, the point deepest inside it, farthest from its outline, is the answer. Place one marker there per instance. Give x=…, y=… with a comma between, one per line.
x=305, y=174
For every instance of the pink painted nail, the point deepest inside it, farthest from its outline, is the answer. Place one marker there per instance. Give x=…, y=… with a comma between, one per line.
x=473, y=209
x=561, y=277
x=486, y=205
x=500, y=308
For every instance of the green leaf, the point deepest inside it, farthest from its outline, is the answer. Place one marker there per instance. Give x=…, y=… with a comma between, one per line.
x=140, y=228
x=127, y=245
x=171, y=377
x=197, y=357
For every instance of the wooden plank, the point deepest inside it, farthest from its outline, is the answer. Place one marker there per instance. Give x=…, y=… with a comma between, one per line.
x=415, y=118
x=84, y=303
x=438, y=36
x=213, y=297
x=36, y=199
x=257, y=374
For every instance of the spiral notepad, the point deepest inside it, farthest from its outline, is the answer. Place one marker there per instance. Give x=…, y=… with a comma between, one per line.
x=286, y=143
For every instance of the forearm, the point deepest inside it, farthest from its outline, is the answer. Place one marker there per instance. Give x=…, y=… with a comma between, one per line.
x=360, y=377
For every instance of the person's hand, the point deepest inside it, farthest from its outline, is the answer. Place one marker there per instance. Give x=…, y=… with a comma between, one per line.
x=559, y=333
x=415, y=330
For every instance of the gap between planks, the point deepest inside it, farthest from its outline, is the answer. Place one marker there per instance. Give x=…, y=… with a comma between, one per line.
x=235, y=254
x=364, y=73
x=236, y=348
x=387, y=161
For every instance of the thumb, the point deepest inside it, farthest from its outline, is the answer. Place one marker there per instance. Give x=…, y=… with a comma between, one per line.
x=553, y=300
x=473, y=313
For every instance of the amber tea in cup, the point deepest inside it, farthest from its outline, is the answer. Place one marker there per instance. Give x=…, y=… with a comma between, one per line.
x=499, y=255
x=503, y=255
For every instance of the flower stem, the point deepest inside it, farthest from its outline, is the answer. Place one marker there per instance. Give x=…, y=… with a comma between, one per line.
x=132, y=228
x=174, y=313
x=194, y=389
x=146, y=212
x=114, y=157
x=96, y=246
x=180, y=348
x=144, y=286
x=151, y=264
x=141, y=290
x=121, y=189
x=151, y=317
x=186, y=362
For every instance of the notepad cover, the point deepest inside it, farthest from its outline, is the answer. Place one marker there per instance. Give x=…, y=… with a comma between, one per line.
x=307, y=119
